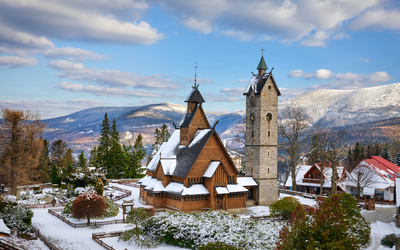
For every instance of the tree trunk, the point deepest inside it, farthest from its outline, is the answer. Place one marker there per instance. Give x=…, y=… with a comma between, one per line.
x=333, y=182
x=358, y=191
x=13, y=182
x=88, y=220
x=294, y=178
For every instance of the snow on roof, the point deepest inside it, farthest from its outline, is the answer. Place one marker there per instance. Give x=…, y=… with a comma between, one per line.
x=301, y=171
x=3, y=227
x=235, y=188
x=158, y=187
x=154, y=161
x=174, y=187
x=196, y=189
x=368, y=191
x=198, y=136
x=246, y=181
x=147, y=180
x=168, y=166
x=150, y=184
x=221, y=190
x=169, y=151
x=211, y=169
x=252, y=84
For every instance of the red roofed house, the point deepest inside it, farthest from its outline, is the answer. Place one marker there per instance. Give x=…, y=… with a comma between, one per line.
x=375, y=172
x=308, y=178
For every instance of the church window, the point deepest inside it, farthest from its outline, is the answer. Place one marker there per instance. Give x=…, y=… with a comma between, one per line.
x=268, y=153
x=252, y=133
x=252, y=153
x=269, y=133
x=268, y=170
x=269, y=86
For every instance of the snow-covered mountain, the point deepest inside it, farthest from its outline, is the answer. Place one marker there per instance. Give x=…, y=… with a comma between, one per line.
x=347, y=107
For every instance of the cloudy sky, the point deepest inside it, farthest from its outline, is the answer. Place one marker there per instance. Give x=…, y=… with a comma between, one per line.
x=60, y=56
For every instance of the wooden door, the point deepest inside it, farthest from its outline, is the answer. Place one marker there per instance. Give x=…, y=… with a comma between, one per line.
x=219, y=202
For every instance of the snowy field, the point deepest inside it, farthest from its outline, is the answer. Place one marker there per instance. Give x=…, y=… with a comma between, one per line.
x=69, y=238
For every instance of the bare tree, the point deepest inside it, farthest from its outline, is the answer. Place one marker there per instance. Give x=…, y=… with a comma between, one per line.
x=88, y=205
x=362, y=176
x=294, y=129
x=20, y=144
x=330, y=151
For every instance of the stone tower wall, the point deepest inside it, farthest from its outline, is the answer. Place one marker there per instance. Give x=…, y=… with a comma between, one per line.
x=261, y=147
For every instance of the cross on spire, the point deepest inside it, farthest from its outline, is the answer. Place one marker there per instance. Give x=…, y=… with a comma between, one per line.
x=195, y=77
x=262, y=51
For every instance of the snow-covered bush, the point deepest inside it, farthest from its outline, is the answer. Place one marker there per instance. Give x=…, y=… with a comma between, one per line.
x=217, y=246
x=66, y=212
x=88, y=205
x=111, y=208
x=192, y=229
x=17, y=217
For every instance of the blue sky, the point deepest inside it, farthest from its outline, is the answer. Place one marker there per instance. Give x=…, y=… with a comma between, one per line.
x=59, y=57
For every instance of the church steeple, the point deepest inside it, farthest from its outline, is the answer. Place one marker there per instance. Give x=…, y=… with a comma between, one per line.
x=262, y=66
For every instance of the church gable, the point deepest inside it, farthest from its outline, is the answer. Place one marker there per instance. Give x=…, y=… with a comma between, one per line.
x=269, y=85
x=213, y=150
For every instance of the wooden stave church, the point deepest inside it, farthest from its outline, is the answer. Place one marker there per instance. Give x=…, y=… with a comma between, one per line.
x=193, y=171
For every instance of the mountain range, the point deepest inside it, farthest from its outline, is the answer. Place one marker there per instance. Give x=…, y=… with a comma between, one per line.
x=367, y=114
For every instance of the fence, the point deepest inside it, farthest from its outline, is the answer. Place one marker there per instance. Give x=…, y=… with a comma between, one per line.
x=35, y=206
x=98, y=236
x=8, y=245
x=77, y=225
x=42, y=238
x=120, y=197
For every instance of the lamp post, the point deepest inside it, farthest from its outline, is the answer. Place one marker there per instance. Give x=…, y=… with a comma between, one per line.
x=127, y=206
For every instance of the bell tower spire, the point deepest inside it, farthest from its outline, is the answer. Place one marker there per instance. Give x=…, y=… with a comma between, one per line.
x=262, y=66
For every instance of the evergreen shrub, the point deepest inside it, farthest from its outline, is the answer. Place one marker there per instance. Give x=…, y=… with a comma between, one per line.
x=284, y=207
x=15, y=216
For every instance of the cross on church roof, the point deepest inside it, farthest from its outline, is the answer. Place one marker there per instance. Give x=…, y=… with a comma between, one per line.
x=262, y=51
x=195, y=77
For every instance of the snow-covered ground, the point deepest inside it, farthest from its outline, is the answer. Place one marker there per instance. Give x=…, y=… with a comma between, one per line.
x=67, y=237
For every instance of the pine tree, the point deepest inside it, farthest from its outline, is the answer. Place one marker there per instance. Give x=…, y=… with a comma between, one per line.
x=397, y=159
x=103, y=150
x=82, y=162
x=385, y=154
x=134, y=157
x=161, y=135
x=44, y=166
x=116, y=154
x=93, y=161
x=58, y=149
x=99, y=187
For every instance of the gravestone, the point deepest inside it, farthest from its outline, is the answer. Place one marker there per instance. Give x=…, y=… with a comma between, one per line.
x=18, y=194
x=27, y=192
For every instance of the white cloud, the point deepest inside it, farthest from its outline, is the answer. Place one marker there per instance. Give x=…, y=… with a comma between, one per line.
x=16, y=62
x=201, y=26
x=287, y=20
x=74, y=20
x=363, y=60
x=233, y=91
x=243, y=80
x=316, y=40
x=102, y=91
x=341, y=36
x=318, y=74
x=71, y=53
x=111, y=78
x=378, y=19
x=351, y=80
x=239, y=35
x=296, y=73
x=53, y=108
x=323, y=74
x=291, y=92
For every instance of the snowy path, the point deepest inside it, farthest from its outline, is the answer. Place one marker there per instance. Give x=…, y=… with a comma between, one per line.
x=66, y=237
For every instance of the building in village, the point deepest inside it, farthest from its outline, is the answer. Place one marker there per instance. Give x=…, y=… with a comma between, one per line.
x=193, y=170
x=308, y=178
x=262, y=134
x=377, y=173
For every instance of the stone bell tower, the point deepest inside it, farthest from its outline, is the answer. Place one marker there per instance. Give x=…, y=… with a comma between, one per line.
x=262, y=134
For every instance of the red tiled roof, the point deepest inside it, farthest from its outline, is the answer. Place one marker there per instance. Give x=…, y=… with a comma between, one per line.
x=384, y=165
